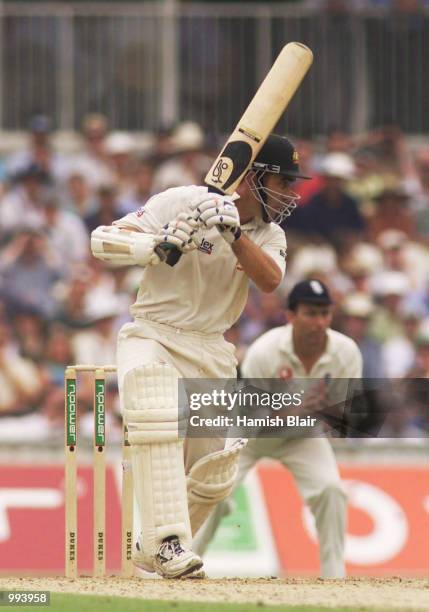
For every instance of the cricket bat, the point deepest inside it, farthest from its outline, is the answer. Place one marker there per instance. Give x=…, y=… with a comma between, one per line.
x=257, y=122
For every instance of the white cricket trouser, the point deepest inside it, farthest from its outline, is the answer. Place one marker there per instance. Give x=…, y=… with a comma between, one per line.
x=193, y=354
x=313, y=466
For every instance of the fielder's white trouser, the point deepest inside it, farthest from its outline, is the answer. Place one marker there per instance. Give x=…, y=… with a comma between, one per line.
x=151, y=357
x=313, y=466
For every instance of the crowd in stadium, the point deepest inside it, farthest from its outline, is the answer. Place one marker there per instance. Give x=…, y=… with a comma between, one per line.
x=361, y=226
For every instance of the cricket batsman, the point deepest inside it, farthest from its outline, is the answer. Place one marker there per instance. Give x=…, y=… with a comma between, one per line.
x=304, y=348
x=180, y=316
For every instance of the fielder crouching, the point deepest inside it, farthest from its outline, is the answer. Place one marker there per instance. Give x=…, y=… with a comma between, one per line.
x=305, y=348
x=180, y=316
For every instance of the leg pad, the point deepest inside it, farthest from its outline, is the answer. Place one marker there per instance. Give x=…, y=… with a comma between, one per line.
x=211, y=480
x=150, y=398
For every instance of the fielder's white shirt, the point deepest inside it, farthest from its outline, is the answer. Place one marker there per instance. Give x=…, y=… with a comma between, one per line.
x=207, y=290
x=274, y=351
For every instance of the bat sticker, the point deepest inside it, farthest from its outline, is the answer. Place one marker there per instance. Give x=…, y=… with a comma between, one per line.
x=250, y=134
x=235, y=159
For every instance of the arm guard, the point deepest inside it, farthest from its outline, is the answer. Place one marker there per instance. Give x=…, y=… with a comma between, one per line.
x=123, y=247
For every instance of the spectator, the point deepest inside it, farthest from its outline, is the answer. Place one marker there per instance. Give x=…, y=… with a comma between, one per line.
x=87, y=285
x=331, y=214
x=66, y=232
x=22, y=202
x=392, y=212
x=398, y=354
x=73, y=299
x=77, y=195
x=338, y=141
x=29, y=273
x=403, y=255
x=360, y=264
x=162, y=143
x=107, y=207
x=416, y=185
x=272, y=310
x=93, y=162
x=356, y=311
x=390, y=287
x=307, y=188
x=97, y=344
x=369, y=180
x=387, y=143
x=408, y=417
x=402, y=422
x=251, y=324
x=420, y=368
x=30, y=332
x=312, y=261
x=392, y=243
x=20, y=380
x=57, y=354
x=39, y=152
x=188, y=164
x=121, y=150
x=141, y=189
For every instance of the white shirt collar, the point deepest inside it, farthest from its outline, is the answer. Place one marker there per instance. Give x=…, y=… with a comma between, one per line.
x=287, y=347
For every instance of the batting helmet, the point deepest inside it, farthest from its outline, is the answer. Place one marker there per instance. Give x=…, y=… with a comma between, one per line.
x=278, y=155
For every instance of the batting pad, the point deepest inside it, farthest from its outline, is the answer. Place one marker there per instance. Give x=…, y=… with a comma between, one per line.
x=150, y=396
x=210, y=480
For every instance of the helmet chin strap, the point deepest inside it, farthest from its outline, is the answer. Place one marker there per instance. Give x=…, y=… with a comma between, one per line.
x=254, y=180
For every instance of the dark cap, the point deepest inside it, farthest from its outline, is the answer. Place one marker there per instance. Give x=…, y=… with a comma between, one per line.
x=309, y=292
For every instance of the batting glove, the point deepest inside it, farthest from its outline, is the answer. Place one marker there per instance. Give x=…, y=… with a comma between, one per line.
x=222, y=213
x=179, y=233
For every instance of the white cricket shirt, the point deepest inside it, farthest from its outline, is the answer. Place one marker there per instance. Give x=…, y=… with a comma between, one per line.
x=273, y=352
x=206, y=290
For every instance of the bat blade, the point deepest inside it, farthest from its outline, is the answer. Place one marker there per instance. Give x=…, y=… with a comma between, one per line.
x=260, y=117
x=256, y=124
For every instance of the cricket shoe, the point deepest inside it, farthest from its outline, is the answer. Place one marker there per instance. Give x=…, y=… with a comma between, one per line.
x=174, y=561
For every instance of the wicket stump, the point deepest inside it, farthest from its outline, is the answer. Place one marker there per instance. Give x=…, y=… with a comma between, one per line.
x=99, y=476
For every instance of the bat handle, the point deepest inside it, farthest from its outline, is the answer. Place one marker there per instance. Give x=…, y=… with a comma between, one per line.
x=168, y=253
x=173, y=257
